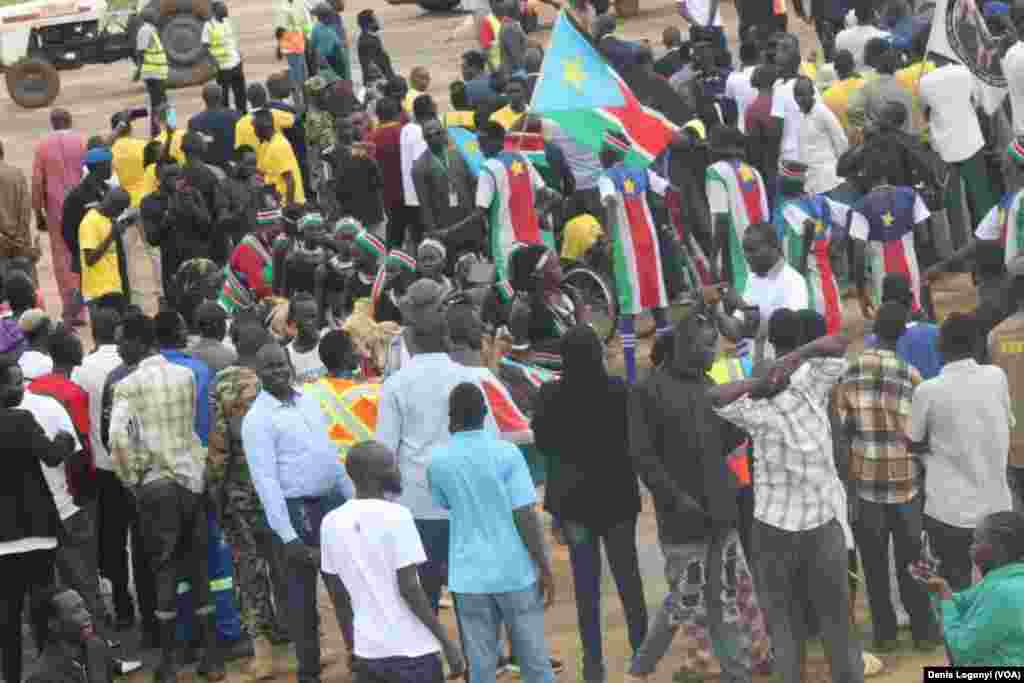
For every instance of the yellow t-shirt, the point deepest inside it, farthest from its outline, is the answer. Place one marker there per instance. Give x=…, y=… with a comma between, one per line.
x=506, y=117
x=176, y=152
x=837, y=98
x=274, y=159
x=245, y=134
x=910, y=77
x=128, y=166
x=105, y=276
x=150, y=183
x=410, y=97
x=463, y=119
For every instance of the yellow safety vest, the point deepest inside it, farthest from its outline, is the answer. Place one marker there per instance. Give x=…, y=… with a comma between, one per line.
x=154, y=60
x=351, y=413
x=218, y=42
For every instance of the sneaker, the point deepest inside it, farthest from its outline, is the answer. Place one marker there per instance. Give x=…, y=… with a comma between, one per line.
x=123, y=667
x=872, y=665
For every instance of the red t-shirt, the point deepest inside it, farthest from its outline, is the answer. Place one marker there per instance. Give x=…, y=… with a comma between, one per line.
x=76, y=401
x=385, y=139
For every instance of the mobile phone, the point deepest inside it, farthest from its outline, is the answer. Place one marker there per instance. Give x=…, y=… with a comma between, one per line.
x=172, y=117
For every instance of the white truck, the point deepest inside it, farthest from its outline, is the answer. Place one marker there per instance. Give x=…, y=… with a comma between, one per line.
x=42, y=37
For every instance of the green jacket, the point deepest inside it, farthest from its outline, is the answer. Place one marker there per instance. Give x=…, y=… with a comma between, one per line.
x=984, y=625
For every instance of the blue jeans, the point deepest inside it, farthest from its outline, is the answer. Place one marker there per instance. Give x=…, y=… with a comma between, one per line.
x=522, y=612
x=297, y=72
x=436, y=537
x=585, y=557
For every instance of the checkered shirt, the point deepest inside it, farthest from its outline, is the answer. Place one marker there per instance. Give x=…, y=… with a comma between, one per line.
x=873, y=402
x=796, y=485
x=152, y=426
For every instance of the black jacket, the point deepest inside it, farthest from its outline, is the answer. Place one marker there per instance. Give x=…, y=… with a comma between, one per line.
x=679, y=443
x=591, y=481
x=371, y=50
x=27, y=509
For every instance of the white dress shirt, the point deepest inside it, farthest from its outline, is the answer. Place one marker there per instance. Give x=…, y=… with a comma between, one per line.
x=411, y=145
x=822, y=142
x=955, y=131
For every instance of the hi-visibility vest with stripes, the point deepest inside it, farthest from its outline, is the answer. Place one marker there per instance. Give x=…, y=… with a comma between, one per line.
x=351, y=412
x=218, y=42
x=727, y=370
x=154, y=60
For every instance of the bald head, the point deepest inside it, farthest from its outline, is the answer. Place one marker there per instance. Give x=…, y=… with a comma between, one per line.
x=373, y=468
x=213, y=95
x=271, y=363
x=60, y=119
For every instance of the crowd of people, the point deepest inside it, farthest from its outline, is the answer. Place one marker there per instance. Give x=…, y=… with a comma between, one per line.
x=330, y=344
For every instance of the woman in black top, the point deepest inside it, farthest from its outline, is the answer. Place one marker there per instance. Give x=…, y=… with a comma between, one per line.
x=580, y=424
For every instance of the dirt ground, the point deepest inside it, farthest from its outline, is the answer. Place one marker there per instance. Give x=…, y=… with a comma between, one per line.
x=413, y=38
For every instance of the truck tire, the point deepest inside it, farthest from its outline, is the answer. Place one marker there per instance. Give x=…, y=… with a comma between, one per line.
x=438, y=5
x=181, y=31
x=33, y=83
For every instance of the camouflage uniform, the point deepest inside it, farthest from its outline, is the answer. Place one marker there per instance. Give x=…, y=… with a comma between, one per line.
x=243, y=519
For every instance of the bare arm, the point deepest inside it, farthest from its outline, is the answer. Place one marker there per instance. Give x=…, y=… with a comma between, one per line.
x=533, y=538
x=93, y=256
x=412, y=593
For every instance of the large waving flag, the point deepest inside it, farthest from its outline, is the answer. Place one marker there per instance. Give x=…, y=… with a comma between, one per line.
x=578, y=90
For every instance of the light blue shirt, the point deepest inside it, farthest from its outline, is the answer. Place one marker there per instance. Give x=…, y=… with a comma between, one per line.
x=412, y=418
x=481, y=480
x=201, y=371
x=290, y=456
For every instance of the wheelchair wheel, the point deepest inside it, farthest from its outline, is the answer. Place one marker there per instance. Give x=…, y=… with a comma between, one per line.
x=598, y=296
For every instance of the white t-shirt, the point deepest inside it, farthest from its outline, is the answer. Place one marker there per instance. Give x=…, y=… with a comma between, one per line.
x=822, y=142
x=782, y=287
x=739, y=89
x=855, y=38
x=365, y=542
x=92, y=375
x=308, y=366
x=52, y=417
x=784, y=107
x=34, y=365
x=1013, y=69
x=411, y=146
x=955, y=131
x=700, y=10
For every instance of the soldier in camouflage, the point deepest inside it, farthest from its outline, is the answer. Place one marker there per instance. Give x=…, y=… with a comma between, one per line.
x=232, y=491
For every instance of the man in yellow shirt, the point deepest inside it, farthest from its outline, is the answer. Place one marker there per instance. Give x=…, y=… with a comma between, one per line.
x=292, y=26
x=276, y=160
x=509, y=115
x=97, y=239
x=168, y=118
x=837, y=97
x=245, y=134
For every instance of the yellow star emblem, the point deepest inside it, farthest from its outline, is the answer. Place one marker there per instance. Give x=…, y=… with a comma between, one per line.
x=472, y=147
x=629, y=186
x=888, y=219
x=573, y=73
x=745, y=174
x=1001, y=216
x=819, y=227
x=516, y=168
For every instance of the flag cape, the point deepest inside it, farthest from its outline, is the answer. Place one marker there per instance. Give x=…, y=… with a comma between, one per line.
x=578, y=90
x=890, y=243
x=530, y=145
x=639, y=281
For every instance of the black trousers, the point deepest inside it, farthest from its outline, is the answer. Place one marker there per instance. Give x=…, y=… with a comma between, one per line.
x=76, y=562
x=876, y=523
x=115, y=517
x=232, y=81
x=425, y=669
x=952, y=547
x=175, y=534
x=404, y=225
x=22, y=573
x=157, y=91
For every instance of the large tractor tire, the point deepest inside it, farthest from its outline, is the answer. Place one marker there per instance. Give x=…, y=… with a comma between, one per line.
x=33, y=82
x=181, y=32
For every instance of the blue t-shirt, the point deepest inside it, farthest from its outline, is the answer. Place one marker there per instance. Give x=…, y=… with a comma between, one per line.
x=202, y=375
x=220, y=125
x=919, y=346
x=480, y=480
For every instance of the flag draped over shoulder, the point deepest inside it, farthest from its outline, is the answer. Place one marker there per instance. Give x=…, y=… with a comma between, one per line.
x=581, y=92
x=959, y=33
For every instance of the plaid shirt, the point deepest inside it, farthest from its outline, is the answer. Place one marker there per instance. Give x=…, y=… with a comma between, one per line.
x=873, y=402
x=796, y=485
x=152, y=426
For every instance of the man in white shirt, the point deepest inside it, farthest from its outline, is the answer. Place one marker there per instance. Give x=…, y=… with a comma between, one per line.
x=822, y=139
x=115, y=504
x=960, y=422
x=738, y=87
x=785, y=111
x=412, y=146
x=856, y=37
x=703, y=14
x=372, y=544
x=947, y=98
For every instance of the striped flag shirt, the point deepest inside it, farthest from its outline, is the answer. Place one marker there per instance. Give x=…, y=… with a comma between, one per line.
x=735, y=189
x=507, y=189
x=1005, y=222
x=891, y=214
